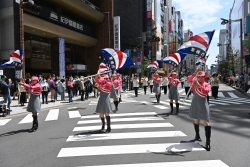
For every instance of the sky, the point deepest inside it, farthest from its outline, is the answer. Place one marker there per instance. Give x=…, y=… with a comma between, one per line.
x=204, y=15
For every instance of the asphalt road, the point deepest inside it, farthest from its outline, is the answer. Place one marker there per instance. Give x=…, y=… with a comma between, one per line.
x=143, y=134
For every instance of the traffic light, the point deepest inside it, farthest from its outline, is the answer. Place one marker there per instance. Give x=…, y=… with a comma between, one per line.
x=31, y=7
x=247, y=59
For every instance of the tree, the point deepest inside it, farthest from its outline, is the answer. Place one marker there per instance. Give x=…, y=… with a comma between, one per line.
x=146, y=62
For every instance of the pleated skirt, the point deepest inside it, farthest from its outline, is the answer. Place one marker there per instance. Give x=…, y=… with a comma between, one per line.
x=34, y=104
x=173, y=93
x=199, y=108
x=103, y=105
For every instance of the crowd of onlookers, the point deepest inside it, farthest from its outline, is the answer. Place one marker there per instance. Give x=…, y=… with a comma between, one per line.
x=238, y=80
x=53, y=87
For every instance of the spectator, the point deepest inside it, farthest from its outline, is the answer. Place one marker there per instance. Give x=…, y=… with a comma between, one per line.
x=22, y=91
x=70, y=89
x=45, y=90
x=5, y=87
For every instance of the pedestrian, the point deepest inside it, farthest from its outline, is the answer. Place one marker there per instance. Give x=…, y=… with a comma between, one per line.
x=34, y=104
x=151, y=84
x=45, y=90
x=22, y=91
x=5, y=87
x=144, y=82
x=70, y=89
x=214, y=82
x=81, y=87
x=115, y=91
x=156, y=87
x=104, y=106
x=136, y=85
x=182, y=81
x=52, y=88
x=199, y=109
x=173, y=93
x=187, y=85
x=165, y=84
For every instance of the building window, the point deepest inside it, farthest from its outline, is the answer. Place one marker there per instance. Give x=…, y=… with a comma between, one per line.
x=40, y=50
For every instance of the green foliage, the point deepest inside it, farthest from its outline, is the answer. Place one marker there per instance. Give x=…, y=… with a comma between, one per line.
x=146, y=62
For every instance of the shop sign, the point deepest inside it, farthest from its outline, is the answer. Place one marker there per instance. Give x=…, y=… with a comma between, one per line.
x=117, y=32
x=55, y=17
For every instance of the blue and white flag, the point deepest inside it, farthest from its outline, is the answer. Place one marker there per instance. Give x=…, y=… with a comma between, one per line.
x=116, y=59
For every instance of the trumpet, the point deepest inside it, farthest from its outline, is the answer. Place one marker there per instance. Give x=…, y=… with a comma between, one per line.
x=95, y=74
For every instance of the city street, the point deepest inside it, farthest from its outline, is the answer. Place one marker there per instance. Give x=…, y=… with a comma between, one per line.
x=143, y=134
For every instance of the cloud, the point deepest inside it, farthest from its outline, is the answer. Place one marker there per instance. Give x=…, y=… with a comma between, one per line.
x=198, y=13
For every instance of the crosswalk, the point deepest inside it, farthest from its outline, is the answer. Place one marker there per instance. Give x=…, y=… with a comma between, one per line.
x=142, y=125
x=224, y=98
x=52, y=115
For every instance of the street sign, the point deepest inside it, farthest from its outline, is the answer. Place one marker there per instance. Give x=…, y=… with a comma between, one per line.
x=128, y=52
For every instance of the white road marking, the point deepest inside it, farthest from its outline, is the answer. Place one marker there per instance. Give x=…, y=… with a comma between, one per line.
x=52, y=115
x=125, y=126
x=131, y=135
x=122, y=120
x=74, y=114
x=27, y=119
x=4, y=122
x=122, y=114
x=129, y=149
x=203, y=163
x=232, y=94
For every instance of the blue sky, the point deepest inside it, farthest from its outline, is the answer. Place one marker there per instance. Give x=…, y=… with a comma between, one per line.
x=204, y=15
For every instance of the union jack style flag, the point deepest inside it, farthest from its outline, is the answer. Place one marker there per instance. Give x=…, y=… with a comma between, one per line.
x=154, y=65
x=116, y=59
x=197, y=45
x=202, y=60
x=15, y=59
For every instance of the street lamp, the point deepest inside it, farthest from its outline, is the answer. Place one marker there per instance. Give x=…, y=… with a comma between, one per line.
x=225, y=21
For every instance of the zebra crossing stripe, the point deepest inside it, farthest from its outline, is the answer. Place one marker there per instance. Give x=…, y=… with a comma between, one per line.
x=220, y=94
x=227, y=101
x=52, y=115
x=122, y=120
x=215, y=102
x=203, y=163
x=232, y=94
x=161, y=107
x=122, y=114
x=125, y=126
x=74, y=114
x=27, y=119
x=129, y=149
x=131, y=135
x=70, y=108
x=4, y=122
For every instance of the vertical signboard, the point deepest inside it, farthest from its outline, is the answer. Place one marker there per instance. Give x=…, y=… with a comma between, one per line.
x=117, y=32
x=149, y=28
x=61, y=57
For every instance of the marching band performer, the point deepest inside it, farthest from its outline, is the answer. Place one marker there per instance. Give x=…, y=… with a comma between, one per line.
x=199, y=109
x=34, y=105
x=115, y=91
x=136, y=85
x=104, y=106
x=120, y=79
x=165, y=84
x=215, y=85
x=144, y=82
x=173, y=92
x=156, y=88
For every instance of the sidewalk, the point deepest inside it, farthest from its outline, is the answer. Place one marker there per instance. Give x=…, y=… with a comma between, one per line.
x=18, y=109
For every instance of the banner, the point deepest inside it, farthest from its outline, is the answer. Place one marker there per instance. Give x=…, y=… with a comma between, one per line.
x=117, y=32
x=61, y=57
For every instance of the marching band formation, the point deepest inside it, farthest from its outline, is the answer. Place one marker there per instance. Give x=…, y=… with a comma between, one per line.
x=110, y=87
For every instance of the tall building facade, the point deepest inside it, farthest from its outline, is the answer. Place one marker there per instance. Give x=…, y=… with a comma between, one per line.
x=69, y=33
